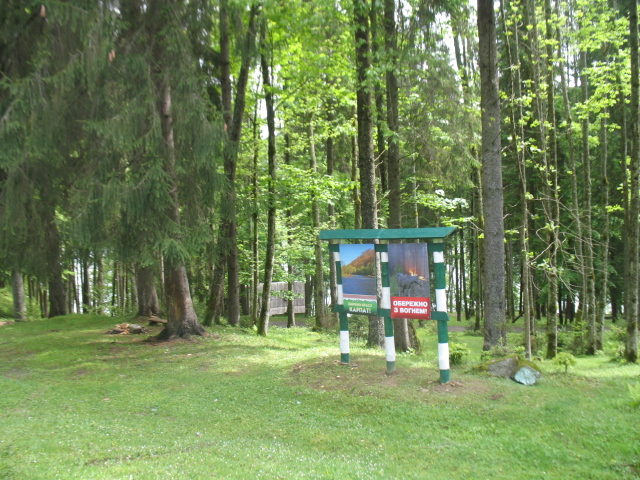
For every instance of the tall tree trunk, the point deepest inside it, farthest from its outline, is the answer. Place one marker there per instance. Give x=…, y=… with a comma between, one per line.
x=133, y=287
x=44, y=301
x=86, y=284
x=57, y=295
x=589, y=313
x=357, y=203
x=148, y=304
x=381, y=149
x=631, y=310
x=405, y=337
x=576, y=229
x=552, y=204
x=291, y=315
x=366, y=163
x=263, y=321
x=255, y=248
x=19, y=302
x=318, y=278
x=393, y=143
x=181, y=316
x=215, y=299
x=625, y=195
x=509, y=295
x=463, y=273
x=491, y=177
x=73, y=294
x=477, y=253
x=519, y=140
x=331, y=211
x=603, y=280
x=233, y=126
x=98, y=283
x=414, y=191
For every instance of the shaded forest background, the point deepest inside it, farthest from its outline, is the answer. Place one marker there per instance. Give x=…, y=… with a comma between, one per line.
x=168, y=157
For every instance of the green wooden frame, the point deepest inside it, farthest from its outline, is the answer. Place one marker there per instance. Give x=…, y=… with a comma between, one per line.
x=435, y=238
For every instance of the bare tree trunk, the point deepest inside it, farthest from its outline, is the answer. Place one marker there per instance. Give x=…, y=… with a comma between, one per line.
x=318, y=278
x=381, y=150
x=74, y=297
x=255, y=247
x=478, y=251
x=86, y=284
x=405, y=338
x=181, y=316
x=133, y=285
x=414, y=190
x=122, y=288
x=98, y=283
x=263, y=321
x=57, y=295
x=553, y=202
x=631, y=310
x=148, y=304
x=518, y=145
x=603, y=280
x=19, y=301
x=291, y=315
x=510, y=301
x=357, y=203
x=332, y=216
x=233, y=124
x=575, y=201
x=492, y=178
x=463, y=273
x=366, y=163
x=589, y=313
x=625, y=195
x=215, y=298
x=393, y=148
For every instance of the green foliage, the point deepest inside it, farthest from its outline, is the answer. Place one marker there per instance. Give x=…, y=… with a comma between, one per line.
x=617, y=334
x=564, y=359
x=615, y=343
x=458, y=352
x=33, y=311
x=495, y=352
x=358, y=327
x=634, y=392
x=6, y=303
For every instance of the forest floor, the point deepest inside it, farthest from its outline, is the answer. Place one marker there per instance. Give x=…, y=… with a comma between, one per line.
x=79, y=404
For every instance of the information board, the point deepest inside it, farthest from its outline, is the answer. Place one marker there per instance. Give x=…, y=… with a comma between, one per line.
x=359, y=278
x=409, y=281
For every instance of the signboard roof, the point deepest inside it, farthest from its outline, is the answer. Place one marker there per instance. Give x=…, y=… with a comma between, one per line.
x=388, y=234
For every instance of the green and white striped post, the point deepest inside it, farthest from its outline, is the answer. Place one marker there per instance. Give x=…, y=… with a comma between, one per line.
x=440, y=313
x=385, y=308
x=334, y=248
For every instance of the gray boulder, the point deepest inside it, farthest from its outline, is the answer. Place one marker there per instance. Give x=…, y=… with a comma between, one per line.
x=515, y=368
x=527, y=375
x=505, y=367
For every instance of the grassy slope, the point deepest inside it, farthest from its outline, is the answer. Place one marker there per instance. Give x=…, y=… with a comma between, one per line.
x=6, y=303
x=77, y=403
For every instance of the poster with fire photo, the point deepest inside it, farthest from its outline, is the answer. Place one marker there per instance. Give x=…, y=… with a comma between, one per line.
x=359, y=278
x=409, y=281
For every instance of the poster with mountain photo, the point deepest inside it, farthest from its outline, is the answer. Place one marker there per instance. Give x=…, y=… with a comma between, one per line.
x=359, y=278
x=409, y=281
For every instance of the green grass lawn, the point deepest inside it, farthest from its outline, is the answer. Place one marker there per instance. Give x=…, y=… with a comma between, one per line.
x=76, y=403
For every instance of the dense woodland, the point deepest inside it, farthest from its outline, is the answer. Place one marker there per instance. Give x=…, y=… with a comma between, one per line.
x=167, y=157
